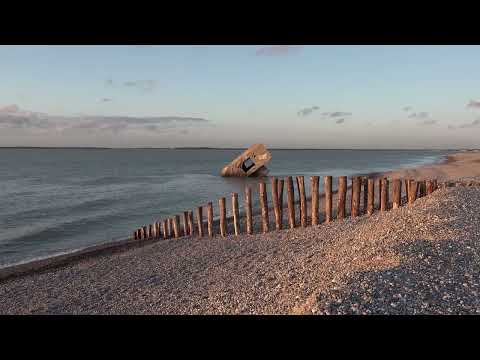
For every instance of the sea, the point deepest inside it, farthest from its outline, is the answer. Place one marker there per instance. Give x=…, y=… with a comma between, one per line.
x=54, y=201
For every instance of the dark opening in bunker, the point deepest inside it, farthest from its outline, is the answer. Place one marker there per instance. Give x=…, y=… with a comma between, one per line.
x=247, y=164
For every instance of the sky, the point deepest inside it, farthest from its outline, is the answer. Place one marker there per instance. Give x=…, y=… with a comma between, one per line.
x=233, y=96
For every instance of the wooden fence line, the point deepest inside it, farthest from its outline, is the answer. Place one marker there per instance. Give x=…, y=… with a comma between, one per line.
x=171, y=227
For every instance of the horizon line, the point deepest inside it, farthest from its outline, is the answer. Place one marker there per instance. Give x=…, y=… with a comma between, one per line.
x=217, y=148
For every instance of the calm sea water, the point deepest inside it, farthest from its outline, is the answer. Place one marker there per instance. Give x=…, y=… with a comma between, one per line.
x=58, y=200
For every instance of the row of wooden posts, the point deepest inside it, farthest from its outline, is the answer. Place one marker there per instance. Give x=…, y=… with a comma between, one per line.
x=171, y=227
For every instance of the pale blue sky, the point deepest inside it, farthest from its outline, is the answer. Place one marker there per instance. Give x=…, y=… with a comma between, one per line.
x=247, y=94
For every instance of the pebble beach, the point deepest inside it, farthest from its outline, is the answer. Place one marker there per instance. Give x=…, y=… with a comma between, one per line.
x=419, y=259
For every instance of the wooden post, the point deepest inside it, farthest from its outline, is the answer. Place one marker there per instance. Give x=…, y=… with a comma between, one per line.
x=370, y=196
x=248, y=209
x=365, y=194
x=263, y=205
x=290, y=202
x=176, y=226
x=140, y=233
x=135, y=235
x=407, y=187
x=387, y=193
x=171, y=229
x=383, y=197
x=314, y=183
x=341, y=197
x=430, y=185
x=210, y=219
x=276, y=205
x=355, y=196
x=223, y=216
x=144, y=233
x=421, y=189
x=190, y=222
x=435, y=184
x=303, y=200
x=236, y=224
x=280, y=198
x=159, y=234
x=185, y=224
x=165, y=229
x=380, y=183
x=200, y=221
x=397, y=193
x=412, y=193
x=327, y=184
x=150, y=231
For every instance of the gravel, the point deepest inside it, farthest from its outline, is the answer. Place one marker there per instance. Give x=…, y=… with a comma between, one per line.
x=423, y=259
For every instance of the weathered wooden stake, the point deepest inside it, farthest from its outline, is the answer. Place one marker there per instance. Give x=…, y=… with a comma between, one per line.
x=383, y=197
x=176, y=226
x=365, y=195
x=236, y=224
x=380, y=184
x=430, y=185
x=210, y=219
x=280, y=198
x=407, y=187
x=356, y=188
x=303, y=200
x=248, y=209
x=200, y=221
x=165, y=229
x=412, y=193
x=150, y=231
x=159, y=233
x=421, y=188
x=341, y=197
x=387, y=193
x=263, y=205
x=190, y=222
x=135, y=235
x=397, y=193
x=290, y=202
x=185, y=224
x=276, y=205
x=172, y=231
x=314, y=183
x=370, y=196
x=223, y=216
x=327, y=184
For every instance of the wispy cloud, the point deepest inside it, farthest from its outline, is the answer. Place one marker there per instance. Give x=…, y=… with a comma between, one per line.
x=428, y=122
x=104, y=100
x=474, y=104
x=277, y=50
x=340, y=121
x=307, y=111
x=13, y=117
x=419, y=115
x=145, y=85
x=407, y=108
x=473, y=124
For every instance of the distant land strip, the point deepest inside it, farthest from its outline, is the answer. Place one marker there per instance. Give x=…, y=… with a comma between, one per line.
x=217, y=148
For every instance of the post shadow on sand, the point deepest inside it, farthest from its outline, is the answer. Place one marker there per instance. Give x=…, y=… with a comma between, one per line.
x=438, y=277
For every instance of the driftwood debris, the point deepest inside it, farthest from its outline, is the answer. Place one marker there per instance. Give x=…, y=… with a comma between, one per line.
x=250, y=163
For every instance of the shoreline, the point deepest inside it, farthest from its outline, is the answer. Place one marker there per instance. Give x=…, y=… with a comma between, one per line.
x=106, y=248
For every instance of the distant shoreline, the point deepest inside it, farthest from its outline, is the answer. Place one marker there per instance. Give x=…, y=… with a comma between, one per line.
x=217, y=148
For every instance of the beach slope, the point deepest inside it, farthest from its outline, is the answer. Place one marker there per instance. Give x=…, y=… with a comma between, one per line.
x=423, y=259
